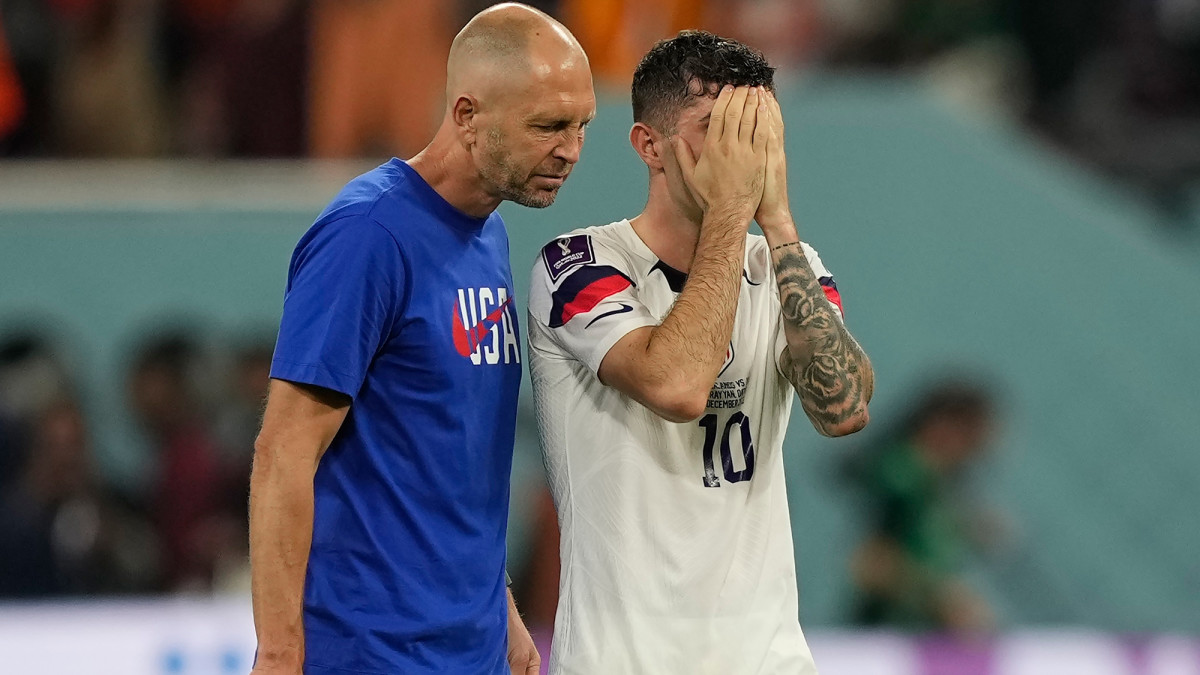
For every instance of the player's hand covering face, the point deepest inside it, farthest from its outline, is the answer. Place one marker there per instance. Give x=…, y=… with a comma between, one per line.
x=728, y=175
x=774, y=208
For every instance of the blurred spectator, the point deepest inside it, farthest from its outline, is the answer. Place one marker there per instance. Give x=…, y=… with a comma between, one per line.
x=108, y=98
x=32, y=32
x=616, y=34
x=10, y=450
x=61, y=531
x=1132, y=105
x=12, y=101
x=265, y=66
x=1116, y=83
x=30, y=377
x=238, y=419
x=964, y=48
x=240, y=413
x=189, y=34
x=378, y=70
x=904, y=32
x=790, y=33
x=237, y=71
x=198, y=511
x=909, y=570
x=1057, y=37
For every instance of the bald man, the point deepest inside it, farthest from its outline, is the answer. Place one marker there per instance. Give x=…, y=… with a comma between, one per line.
x=379, y=496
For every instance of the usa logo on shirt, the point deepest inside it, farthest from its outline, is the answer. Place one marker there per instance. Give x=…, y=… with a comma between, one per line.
x=483, y=328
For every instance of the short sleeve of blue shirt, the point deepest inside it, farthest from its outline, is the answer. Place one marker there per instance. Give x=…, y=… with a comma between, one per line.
x=345, y=290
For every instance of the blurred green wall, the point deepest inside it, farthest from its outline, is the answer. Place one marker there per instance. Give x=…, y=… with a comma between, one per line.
x=954, y=245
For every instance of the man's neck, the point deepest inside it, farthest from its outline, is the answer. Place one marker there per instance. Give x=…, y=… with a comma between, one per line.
x=447, y=167
x=667, y=232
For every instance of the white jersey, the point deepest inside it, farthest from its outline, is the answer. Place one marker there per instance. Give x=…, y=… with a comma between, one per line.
x=676, y=541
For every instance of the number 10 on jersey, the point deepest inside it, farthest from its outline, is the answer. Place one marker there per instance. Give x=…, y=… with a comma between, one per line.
x=737, y=430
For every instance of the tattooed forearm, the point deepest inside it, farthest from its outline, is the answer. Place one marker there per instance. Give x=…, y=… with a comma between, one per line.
x=828, y=368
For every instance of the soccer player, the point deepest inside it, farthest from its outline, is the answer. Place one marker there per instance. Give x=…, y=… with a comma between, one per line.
x=664, y=351
x=379, y=496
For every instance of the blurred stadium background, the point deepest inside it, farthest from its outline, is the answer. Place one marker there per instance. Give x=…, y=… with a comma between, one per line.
x=1007, y=190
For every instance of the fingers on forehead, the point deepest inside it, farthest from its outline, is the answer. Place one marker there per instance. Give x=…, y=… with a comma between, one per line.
x=723, y=97
x=739, y=98
x=751, y=110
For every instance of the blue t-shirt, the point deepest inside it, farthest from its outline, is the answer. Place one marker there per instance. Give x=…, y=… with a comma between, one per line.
x=405, y=304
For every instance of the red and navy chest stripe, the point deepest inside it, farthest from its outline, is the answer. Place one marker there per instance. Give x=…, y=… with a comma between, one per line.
x=585, y=288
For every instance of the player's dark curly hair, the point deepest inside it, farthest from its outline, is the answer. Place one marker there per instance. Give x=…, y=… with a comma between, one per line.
x=693, y=63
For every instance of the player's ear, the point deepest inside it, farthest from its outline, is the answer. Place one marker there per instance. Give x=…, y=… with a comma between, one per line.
x=464, y=111
x=648, y=145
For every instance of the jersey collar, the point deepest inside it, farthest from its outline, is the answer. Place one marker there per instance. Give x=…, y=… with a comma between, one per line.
x=675, y=278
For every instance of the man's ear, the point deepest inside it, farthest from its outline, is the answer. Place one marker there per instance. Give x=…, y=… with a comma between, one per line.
x=466, y=107
x=649, y=145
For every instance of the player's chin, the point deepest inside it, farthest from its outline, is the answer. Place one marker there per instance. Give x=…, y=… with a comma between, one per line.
x=538, y=197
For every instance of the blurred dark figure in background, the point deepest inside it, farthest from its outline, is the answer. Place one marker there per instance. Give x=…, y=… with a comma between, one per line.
x=237, y=72
x=66, y=531
x=31, y=377
x=617, y=33
x=200, y=522
x=265, y=76
x=238, y=419
x=32, y=374
x=10, y=450
x=908, y=570
x=900, y=32
x=108, y=98
x=12, y=101
x=61, y=531
x=360, y=103
x=31, y=32
x=240, y=413
x=1132, y=102
x=964, y=49
x=190, y=33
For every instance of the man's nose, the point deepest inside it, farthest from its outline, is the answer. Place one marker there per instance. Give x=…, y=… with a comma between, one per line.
x=569, y=149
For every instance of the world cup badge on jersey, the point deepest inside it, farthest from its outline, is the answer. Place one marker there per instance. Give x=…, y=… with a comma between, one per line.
x=565, y=253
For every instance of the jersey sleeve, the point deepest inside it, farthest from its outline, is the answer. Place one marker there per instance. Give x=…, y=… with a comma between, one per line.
x=828, y=285
x=344, y=293
x=585, y=296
